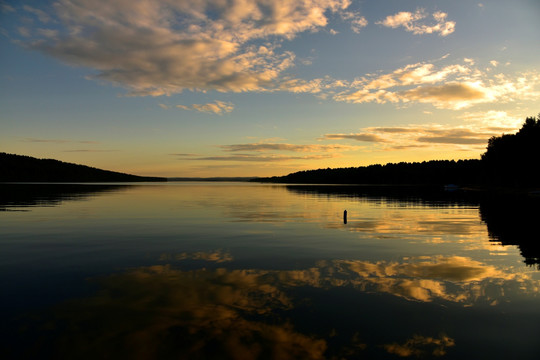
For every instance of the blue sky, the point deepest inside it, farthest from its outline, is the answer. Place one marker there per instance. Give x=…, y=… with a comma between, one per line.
x=263, y=87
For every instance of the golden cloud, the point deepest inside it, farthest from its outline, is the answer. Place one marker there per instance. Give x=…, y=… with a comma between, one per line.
x=217, y=107
x=286, y=147
x=412, y=22
x=456, y=86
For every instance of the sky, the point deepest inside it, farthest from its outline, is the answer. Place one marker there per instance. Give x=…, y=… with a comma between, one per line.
x=200, y=88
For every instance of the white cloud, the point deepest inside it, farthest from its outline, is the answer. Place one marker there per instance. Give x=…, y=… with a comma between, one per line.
x=412, y=22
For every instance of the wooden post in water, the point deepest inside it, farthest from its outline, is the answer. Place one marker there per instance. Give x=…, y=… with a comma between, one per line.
x=345, y=217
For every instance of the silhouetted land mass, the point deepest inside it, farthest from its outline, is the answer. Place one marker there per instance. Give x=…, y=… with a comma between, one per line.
x=18, y=168
x=510, y=160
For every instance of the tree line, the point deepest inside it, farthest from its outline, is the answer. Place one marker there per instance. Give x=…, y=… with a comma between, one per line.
x=509, y=160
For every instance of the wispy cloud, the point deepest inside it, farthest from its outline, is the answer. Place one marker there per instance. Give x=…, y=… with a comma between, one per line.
x=5, y=8
x=262, y=158
x=184, y=154
x=356, y=20
x=414, y=22
x=357, y=137
x=454, y=136
x=259, y=147
x=473, y=135
x=89, y=150
x=59, y=141
x=217, y=107
x=272, y=152
x=40, y=14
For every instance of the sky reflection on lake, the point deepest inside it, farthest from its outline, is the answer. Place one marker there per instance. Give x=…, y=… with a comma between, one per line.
x=242, y=271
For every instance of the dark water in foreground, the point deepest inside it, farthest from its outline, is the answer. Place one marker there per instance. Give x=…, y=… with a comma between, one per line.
x=246, y=271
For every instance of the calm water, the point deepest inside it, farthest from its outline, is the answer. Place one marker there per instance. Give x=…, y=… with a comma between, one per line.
x=242, y=271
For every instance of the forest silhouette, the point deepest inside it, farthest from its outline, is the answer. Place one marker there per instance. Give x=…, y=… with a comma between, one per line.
x=510, y=160
x=19, y=168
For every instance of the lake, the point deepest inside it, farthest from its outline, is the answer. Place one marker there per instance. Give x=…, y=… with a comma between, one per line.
x=257, y=271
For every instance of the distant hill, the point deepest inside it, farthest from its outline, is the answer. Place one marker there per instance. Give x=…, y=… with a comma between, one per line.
x=19, y=168
x=510, y=160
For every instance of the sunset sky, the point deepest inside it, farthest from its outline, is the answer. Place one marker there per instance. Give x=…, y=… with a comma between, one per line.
x=263, y=87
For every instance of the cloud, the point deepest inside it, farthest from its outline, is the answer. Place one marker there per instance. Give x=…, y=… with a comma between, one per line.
x=455, y=86
x=24, y=31
x=452, y=95
x=455, y=136
x=286, y=147
x=499, y=121
x=162, y=48
x=412, y=22
x=356, y=20
x=88, y=150
x=217, y=107
x=474, y=135
x=59, y=141
x=40, y=14
x=266, y=152
x=5, y=8
x=357, y=137
x=263, y=158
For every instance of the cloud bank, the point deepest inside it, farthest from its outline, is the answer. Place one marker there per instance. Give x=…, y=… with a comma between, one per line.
x=455, y=86
x=473, y=135
x=161, y=48
x=166, y=47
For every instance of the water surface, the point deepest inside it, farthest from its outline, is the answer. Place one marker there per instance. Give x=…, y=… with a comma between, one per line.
x=241, y=271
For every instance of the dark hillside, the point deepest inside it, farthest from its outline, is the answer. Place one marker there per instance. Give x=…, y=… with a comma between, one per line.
x=18, y=168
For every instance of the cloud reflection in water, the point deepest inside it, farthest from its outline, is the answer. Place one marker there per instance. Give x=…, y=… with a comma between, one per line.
x=160, y=311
